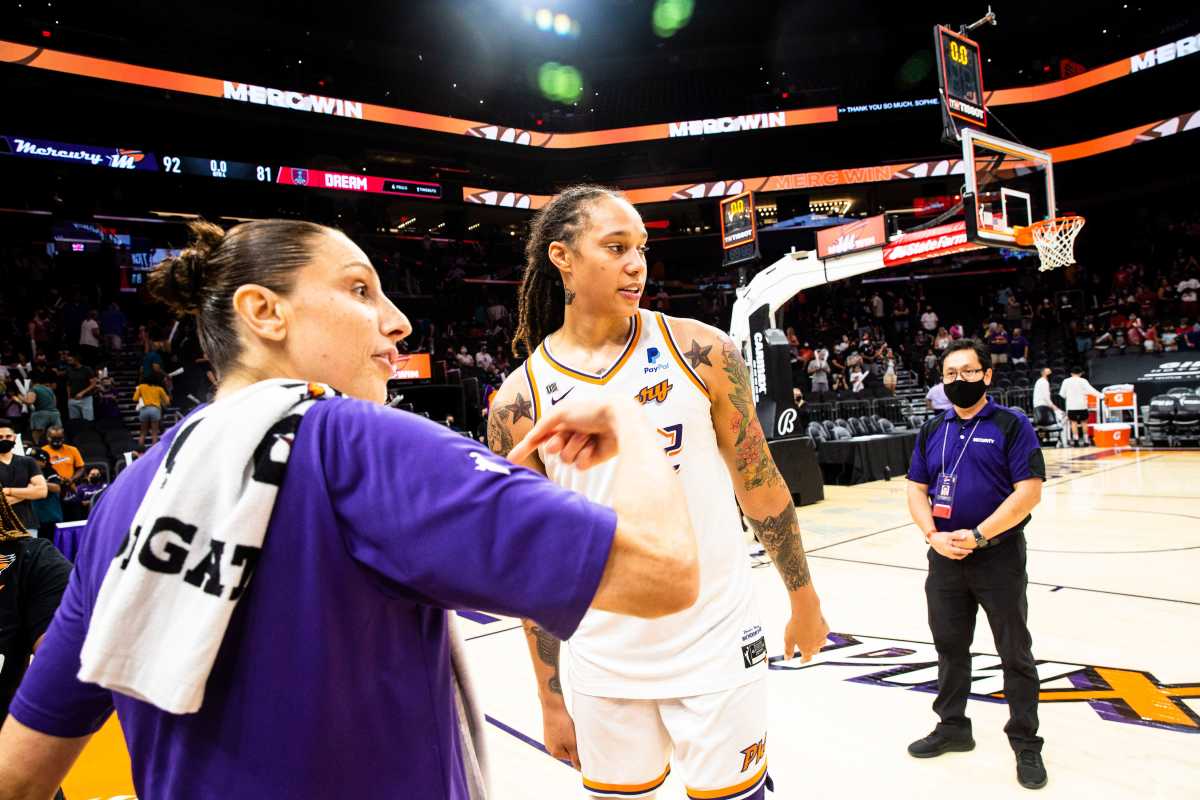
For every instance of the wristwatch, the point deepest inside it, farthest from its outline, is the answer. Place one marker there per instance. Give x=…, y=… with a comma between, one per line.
x=981, y=541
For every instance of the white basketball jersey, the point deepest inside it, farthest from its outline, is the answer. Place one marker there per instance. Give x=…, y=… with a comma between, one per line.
x=718, y=643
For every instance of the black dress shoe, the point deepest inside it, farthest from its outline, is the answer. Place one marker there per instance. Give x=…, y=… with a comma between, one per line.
x=936, y=743
x=1031, y=772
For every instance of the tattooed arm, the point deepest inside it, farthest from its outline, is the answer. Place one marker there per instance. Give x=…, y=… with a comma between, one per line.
x=760, y=489
x=510, y=418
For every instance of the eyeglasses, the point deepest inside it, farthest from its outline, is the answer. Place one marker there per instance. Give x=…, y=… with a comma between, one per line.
x=951, y=375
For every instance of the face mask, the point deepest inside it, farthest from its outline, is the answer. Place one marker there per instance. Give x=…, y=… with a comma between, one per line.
x=6, y=445
x=56, y=443
x=94, y=479
x=965, y=394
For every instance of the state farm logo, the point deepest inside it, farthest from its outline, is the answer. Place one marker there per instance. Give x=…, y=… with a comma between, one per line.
x=928, y=245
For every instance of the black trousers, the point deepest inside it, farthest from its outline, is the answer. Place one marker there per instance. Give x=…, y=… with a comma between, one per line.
x=995, y=579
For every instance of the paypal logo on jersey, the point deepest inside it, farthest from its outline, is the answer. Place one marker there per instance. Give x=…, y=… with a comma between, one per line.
x=653, y=354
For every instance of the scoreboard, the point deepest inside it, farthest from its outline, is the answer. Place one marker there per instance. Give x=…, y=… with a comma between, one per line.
x=299, y=176
x=215, y=168
x=218, y=168
x=737, y=221
x=739, y=231
x=960, y=77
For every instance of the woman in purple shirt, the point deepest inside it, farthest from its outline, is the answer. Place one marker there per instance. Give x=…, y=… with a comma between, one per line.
x=333, y=678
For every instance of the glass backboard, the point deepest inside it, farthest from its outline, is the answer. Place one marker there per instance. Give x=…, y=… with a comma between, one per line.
x=1008, y=186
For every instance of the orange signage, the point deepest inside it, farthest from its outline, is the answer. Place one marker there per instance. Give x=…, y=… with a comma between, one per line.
x=863, y=234
x=412, y=367
x=848, y=176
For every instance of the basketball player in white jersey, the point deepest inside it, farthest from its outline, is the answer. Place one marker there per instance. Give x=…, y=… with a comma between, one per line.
x=687, y=690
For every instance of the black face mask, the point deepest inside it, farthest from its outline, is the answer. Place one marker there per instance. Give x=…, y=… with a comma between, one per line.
x=94, y=479
x=965, y=394
x=6, y=445
x=56, y=443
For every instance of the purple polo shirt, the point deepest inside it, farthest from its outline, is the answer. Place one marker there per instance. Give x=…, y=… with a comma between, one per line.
x=999, y=448
x=334, y=679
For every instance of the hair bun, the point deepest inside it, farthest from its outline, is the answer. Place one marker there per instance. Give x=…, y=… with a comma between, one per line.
x=182, y=281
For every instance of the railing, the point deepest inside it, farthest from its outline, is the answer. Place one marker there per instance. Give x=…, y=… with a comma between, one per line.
x=853, y=408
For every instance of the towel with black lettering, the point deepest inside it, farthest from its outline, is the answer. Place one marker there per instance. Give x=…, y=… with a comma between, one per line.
x=163, y=608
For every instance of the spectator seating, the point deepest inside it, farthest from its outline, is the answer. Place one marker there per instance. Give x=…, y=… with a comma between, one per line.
x=1187, y=418
x=829, y=426
x=816, y=432
x=1045, y=423
x=103, y=466
x=1160, y=421
x=885, y=425
x=857, y=427
x=840, y=432
x=871, y=424
x=1180, y=391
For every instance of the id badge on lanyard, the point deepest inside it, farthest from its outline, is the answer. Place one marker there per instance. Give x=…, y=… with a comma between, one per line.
x=947, y=482
x=943, y=498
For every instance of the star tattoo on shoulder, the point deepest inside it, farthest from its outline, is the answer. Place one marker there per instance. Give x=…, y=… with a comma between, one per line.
x=698, y=355
x=520, y=409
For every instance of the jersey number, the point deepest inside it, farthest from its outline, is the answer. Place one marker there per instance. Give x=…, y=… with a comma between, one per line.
x=674, y=435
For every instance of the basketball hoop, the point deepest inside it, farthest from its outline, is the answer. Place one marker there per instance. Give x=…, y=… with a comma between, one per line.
x=1054, y=239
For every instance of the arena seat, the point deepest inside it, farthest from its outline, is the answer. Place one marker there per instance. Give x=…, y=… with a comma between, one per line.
x=1179, y=391
x=857, y=427
x=828, y=425
x=1045, y=423
x=840, y=433
x=885, y=425
x=1187, y=418
x=1160, y=421
x=871, y=424
x=816, y=432
x=101, y=464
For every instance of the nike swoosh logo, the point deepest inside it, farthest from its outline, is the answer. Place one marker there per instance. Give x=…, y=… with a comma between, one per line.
x=554, y=400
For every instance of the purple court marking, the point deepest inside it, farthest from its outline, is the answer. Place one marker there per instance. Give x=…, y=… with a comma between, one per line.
x=514, y=732
x=526, y=739
x=1102, y=454
x=477, y=616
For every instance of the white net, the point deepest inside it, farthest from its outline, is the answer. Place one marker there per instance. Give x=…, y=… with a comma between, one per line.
x=1055, y=240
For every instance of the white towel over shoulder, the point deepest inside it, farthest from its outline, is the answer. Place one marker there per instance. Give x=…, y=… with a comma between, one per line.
x=166, y=600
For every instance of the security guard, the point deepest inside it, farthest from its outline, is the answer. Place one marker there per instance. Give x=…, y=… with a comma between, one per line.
x=976, y=475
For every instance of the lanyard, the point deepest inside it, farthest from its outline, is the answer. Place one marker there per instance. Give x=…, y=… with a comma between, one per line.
x=961, y=453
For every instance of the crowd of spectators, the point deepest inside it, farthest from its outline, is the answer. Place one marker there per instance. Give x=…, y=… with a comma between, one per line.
x=855, y=339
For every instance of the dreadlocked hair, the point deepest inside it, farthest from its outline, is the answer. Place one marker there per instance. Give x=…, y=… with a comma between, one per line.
x=10, y=526
x=541, y=300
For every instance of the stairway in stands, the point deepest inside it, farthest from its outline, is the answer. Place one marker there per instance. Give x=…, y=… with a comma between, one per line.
x=123, y=368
